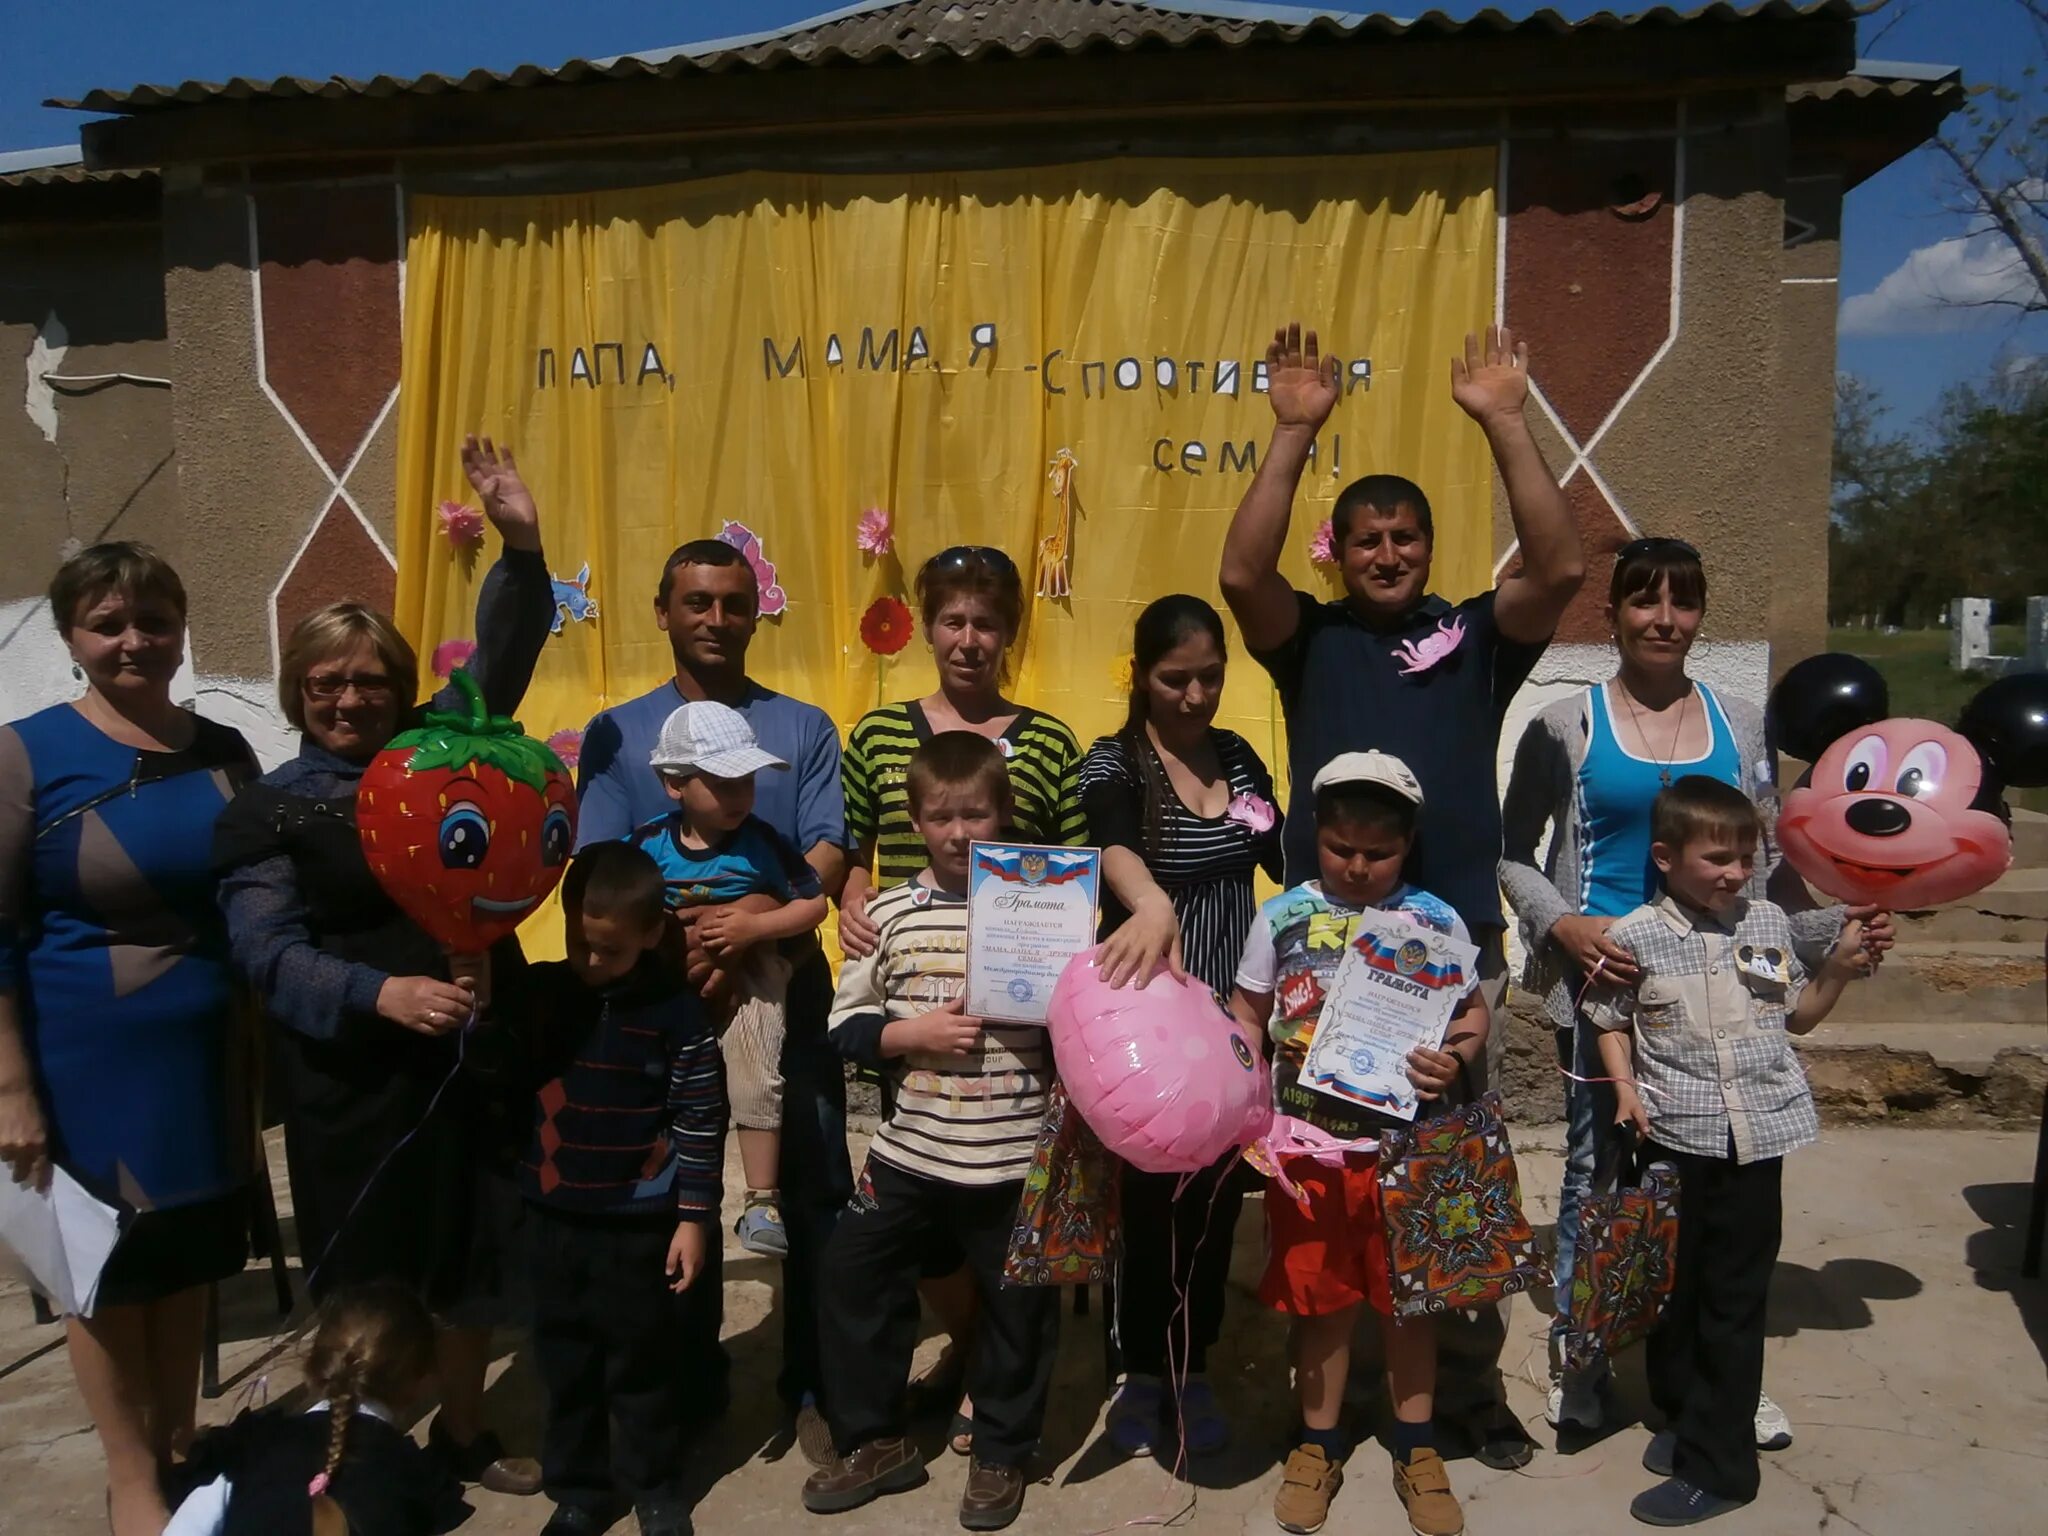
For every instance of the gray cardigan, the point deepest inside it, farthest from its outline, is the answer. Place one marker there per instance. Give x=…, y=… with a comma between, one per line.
x=1547, y=763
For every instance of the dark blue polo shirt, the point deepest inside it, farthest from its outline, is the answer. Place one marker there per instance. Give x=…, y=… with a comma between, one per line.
x=1342, y=688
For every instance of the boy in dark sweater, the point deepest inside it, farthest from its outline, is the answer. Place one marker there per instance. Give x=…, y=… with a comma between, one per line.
x=623, y=1177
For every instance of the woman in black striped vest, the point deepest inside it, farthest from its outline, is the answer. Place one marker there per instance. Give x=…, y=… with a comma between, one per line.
x=1185, y=814
x=972, y=600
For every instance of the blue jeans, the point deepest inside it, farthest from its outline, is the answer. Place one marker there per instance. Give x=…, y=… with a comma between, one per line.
x=1589, y=1129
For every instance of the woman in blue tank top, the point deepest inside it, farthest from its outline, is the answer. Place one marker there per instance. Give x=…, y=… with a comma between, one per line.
x=1588, y=770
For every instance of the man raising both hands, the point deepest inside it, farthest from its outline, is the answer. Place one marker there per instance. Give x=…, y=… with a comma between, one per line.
x=1392, y=666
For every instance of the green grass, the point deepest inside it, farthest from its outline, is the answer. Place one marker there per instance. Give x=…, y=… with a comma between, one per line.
x=1921, y=683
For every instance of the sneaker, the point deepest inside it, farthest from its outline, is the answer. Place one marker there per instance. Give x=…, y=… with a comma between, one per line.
x=880, y=1466
x=1134, y=1415
x=1424, y=1486
x=814, y=1435
x=1307, y=1484
x=1677, y=1502
x=1572, y=1402
x=1773, y=1429
x=1203, y=1429
x=993, y=1496
x=483, y=1461
x=1660, y=1456
x=759, y=1229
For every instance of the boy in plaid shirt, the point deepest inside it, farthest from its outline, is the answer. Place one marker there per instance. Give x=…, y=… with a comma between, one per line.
x=1700, y=1050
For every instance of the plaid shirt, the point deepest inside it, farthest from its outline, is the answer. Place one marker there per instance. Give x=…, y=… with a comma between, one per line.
x=1709, y=1013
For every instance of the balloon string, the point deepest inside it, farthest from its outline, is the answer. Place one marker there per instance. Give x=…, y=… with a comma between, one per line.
x=434, y=1103
x=1578, y=1003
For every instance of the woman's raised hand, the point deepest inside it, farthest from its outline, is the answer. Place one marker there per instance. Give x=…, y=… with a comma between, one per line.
x=507, y=502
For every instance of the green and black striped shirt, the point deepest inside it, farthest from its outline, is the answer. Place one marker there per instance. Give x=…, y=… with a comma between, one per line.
x=1045, y=769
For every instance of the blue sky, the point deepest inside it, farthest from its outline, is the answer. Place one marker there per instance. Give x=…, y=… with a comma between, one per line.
x=1909, y=350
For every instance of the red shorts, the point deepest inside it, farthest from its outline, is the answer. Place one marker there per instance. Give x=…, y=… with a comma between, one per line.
x=1327, y=1250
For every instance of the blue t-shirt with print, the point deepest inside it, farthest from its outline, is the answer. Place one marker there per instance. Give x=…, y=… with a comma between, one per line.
x=752, y=859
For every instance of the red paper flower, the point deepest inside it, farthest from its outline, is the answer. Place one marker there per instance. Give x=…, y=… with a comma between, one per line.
x=461, y=526
x=450, y=654
x=885, y=627
x=567, y=744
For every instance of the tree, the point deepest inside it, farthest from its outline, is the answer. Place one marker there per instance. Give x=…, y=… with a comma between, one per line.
x=1998, y=154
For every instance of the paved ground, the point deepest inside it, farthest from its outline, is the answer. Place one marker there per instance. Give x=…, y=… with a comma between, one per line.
x=1906, y=1349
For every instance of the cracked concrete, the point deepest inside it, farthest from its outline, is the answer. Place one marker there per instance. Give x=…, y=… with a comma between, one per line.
x=1904, y=1346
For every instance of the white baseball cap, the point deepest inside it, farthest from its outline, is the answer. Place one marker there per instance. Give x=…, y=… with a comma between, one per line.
x=711, y=738
x=1381, y=768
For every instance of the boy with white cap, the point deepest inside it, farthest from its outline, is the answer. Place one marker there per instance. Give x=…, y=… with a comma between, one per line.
x=1328, y=1246
x=714, y=852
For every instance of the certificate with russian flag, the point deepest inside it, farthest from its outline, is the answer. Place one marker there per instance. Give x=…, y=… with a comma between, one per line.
x=1030, y=909
x=1395, y=989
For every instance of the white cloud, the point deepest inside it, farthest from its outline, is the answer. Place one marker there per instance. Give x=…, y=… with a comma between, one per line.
x=1934, y=288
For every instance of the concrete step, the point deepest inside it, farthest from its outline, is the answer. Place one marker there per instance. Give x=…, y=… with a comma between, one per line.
x=1938, y=1073
x=1927, y=980
x=2012, y=911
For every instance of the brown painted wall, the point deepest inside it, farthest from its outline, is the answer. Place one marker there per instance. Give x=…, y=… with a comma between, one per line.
x=110, y=473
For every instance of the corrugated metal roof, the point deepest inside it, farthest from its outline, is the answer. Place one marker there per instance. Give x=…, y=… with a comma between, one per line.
x=922, y=31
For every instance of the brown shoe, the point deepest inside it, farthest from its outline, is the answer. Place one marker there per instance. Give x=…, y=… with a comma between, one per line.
x=1307, y=1485
x=518, y=1475
x=483, y=1461
x=1424, y=1485
x=993, y=1497
x=880, y=1466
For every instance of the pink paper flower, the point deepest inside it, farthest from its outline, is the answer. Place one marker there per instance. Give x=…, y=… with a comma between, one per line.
x=1251, y=812
x=742, y=538
x=1322, y=548
x=450, y=654
x=567, y=744
x=462, y=527
x=876, y=534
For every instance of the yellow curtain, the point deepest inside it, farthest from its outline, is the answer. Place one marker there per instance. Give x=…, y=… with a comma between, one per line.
x=789, y=352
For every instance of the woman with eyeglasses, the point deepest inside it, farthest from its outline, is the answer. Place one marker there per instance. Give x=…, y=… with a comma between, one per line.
x=1587, y=769
x=385, y=1144
x=115, y=1035
x=972, y=600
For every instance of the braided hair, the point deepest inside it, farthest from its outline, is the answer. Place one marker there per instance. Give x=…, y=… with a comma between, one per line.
x=372, y=1342
x=1164, y=625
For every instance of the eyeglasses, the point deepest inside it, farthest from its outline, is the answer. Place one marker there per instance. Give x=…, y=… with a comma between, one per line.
x=961, y=556
x=1655, y=546
x=330, y=685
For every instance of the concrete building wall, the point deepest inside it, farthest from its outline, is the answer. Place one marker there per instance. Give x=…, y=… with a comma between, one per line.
x=78, y=462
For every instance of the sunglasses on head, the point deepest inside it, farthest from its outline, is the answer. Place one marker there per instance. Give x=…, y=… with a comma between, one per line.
x=1655, y=546
x=962, y=556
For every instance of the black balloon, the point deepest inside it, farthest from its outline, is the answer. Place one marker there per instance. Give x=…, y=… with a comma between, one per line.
x=2008, y=724
x=1822, y=699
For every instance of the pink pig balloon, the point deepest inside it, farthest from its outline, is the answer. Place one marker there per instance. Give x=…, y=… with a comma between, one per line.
x=1166, y=1078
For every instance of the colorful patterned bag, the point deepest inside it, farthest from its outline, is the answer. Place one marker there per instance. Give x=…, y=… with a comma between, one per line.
x=1068, y=1230
x=1626, y=1258
x=1456, y=1235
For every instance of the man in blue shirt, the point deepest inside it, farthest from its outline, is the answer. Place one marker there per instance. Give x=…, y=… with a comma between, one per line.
x=708, y=605
x=1392, y=666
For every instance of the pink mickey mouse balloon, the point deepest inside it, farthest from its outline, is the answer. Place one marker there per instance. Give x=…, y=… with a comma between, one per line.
x=1166, y=1078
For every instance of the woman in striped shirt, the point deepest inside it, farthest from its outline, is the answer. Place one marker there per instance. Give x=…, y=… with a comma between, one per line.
x=972, y=600
x=1185, y=813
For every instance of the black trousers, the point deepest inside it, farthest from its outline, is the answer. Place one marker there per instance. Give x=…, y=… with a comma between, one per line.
x=1173, y=1249
x=816, y=1175
x=1706, y=1359
x=868, y=1319
x=613, y=1347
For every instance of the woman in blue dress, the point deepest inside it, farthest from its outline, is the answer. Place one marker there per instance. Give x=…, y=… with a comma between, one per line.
x=114, y=999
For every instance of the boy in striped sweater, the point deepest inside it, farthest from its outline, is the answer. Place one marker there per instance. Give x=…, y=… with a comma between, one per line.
x=952, y=1158
x=623, y=1176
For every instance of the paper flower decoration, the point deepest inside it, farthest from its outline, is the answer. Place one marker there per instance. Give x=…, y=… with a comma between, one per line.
x=1322, y=548
x=567, y=744
x=462, y=527
x=742, y=538
x=1251, y=812
x=450, y=654
x=876, y=534
x=885, y=628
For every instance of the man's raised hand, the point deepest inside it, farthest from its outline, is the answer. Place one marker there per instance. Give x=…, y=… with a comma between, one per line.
x=1300, y=382
x=1492, y=381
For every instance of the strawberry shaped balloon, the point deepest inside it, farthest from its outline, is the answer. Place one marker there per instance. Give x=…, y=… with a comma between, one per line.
x=466, y=822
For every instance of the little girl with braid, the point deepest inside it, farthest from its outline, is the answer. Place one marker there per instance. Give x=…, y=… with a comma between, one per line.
x=345, y=1466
